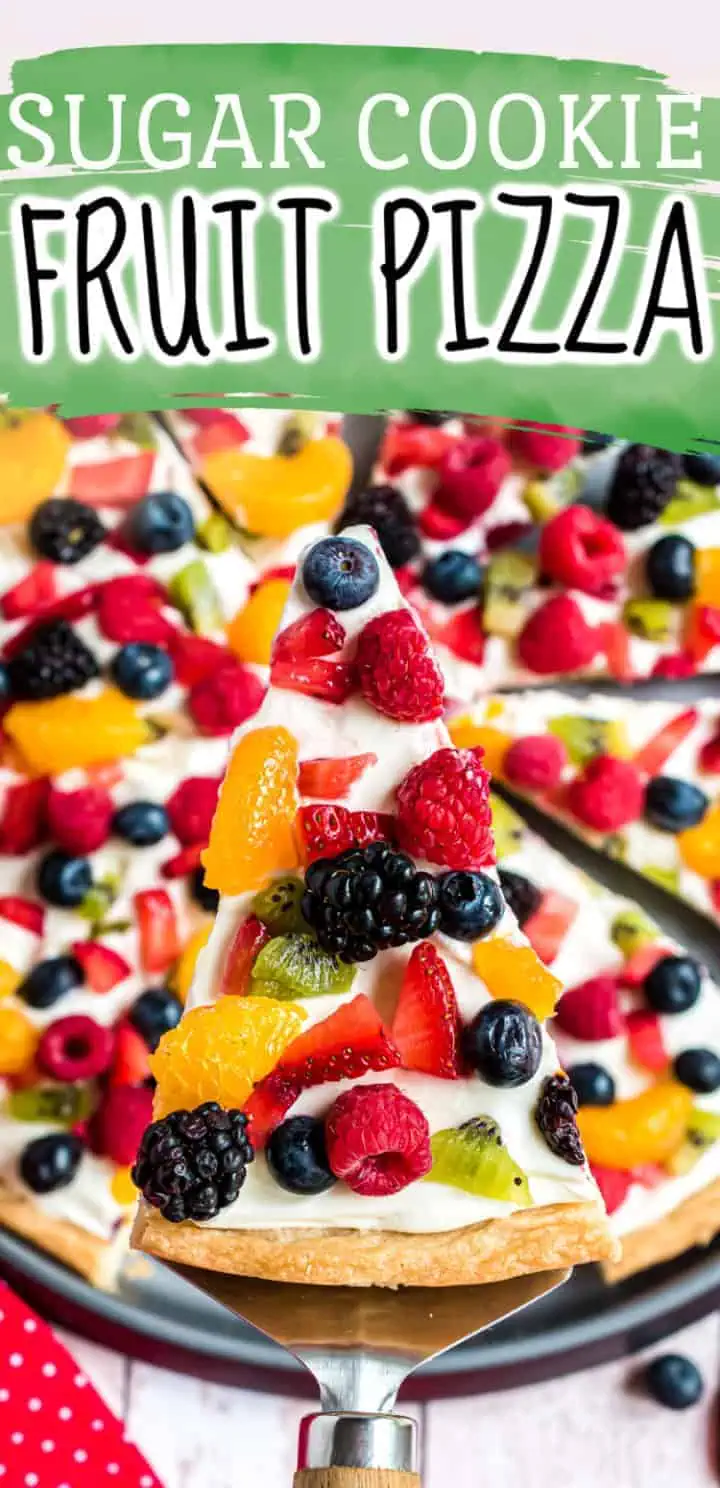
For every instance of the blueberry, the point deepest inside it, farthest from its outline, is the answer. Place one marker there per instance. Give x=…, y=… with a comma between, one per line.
x=673, y=985
x=141, y=670
x=5, y=687
x=670, y=568
x=674, y=1381
x=49, y=980
x=699, y=1069
x=453, y=576
x=703, y=469
x=593, y=1085
x=161, y=523
x=141, y=822
x=207, y=898
x=153, y=1013
x=503, y=1044
x=672, y=805
x=63, y=880
x=340, y=573
x=297, y=1156
x=470, y=904
x=50, y=1162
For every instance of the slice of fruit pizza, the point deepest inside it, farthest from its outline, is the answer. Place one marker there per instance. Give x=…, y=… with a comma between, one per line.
x=102, y=912
x=532, y=554
x=637, y=778
x=638, y=1029
x=366, y=1021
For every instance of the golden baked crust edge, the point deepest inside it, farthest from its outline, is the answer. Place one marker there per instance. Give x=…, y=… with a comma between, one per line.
x=694, y=1222
x=96, y=1259
x=546, y=1238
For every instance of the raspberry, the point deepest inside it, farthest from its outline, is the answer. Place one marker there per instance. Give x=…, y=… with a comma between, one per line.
x=225, y=699
x=582, y=550
x=607, y=794
x=470, y=476
x=53, y=662
x=332, y=681
x=75, y=1048
x=79, y=820
x=444, y=811
x=129, y=609
x=440, y=525
x=118, y=1127
x=557, y=638
x=332, y=778
x=591, y=1011
x=191, y=808
x=397, y=671
x=23, y=824
x=194, y=657
x=546, y=447
x=535, y=763
x=317, y=634
x=378, y=1140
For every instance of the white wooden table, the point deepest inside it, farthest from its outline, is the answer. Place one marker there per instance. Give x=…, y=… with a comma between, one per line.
x=588, y=1431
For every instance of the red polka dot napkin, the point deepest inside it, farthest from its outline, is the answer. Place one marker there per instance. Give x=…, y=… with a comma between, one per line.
x=55, y=1430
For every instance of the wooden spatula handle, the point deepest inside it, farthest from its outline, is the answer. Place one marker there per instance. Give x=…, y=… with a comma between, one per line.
x=354, y=1477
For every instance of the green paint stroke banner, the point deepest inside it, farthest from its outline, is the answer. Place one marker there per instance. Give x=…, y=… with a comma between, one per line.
x=363, y=228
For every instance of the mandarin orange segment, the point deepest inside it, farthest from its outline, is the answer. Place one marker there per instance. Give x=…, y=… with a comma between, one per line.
x=252, y=832
x=33, y=451
x=514, y=971
x=10, y=979
x=647, y=1129
x=273, y=495
x=184, y=968
x=218, y=1053
x=707, y=576
x=466, y=734
x=699, y=847
x=252, y=630
x=122, y=1187
x=18, y=1041
x=67, y=733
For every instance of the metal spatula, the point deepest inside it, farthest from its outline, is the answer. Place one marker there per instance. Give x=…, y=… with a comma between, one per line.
x=360, y=1345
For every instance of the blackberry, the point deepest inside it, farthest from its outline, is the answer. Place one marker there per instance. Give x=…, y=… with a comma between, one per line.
x=64, y=530
x=521, y=895
x=643, y=485
x=53, y=661
x=556, y=1118
x=366, y=899
x=192, y=1164
x=385, y=509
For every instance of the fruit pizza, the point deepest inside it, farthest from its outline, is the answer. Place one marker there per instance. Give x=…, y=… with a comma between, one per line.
x=103, y=908
x=637, y=778
x=361, y=1089
x=638, y=1029
x=532, y=553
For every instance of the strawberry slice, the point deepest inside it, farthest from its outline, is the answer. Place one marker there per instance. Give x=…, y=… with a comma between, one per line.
x=591, y=1011
x=157, y=924
x=463, y=636
x=245, y=946
x=644, y=1031
x=23, y=824
x=348, y=1044
x=119, y=482
x=281, y=571
x=131, y=1061
x=440, y=525
x=658, y=750
x=184, y=862
x=317, y=634
x=703, y=631
x=33, y=593
x=640, y=964
x=615, y=641
x=547, y=927
x=715, y=893
x=191, y=808
x=68, y=607
x=614, y=1185
x=195, y=657
x=406, y=445
x=23, y=912
x=427, y=1021
x=332, y=778
x=331, y=681
x=102, y=967
x=324, y=831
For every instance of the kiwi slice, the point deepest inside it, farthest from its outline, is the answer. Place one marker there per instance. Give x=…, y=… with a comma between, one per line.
x=299, y=967
x=703, y=1131
x=690, y=500
x=508, y=828
x=667, y=878
x=138, y=428
x=631, y=930
x=585, y=737
x=540, y=501
x=474, y=1157
x=195, y=595
x=650, y=618
x=278, y=906
x=297, y=431
x=215, y=534
x=64, y=1104
x=508, y=577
